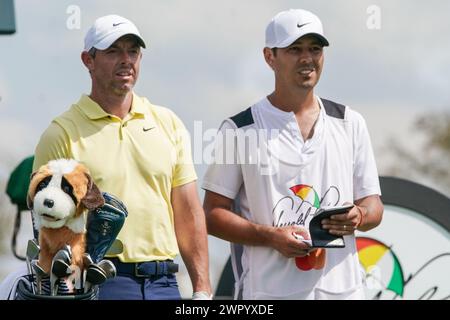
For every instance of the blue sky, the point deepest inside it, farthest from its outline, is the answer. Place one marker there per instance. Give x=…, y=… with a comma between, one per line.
x=204, y=61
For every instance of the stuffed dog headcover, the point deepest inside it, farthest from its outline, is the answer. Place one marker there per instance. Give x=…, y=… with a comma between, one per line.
x=59, y=194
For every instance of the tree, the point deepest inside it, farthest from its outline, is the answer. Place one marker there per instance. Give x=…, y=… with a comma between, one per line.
x=427, y=158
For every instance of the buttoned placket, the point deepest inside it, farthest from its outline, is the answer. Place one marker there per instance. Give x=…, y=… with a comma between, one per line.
x=121, y=122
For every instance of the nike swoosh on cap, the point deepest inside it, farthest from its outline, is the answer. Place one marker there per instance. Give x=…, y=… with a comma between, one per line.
x=304, y=24
x=116, y=24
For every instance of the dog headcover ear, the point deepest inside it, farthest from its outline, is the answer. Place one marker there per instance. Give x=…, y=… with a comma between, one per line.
x=31, y=189
x=35, y=179
x=93, y=198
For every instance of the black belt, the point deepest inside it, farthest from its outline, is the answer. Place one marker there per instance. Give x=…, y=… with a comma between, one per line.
x=145, y=269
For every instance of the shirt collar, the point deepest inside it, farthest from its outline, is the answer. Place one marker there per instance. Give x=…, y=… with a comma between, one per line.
x=138, y=107
x=93, y=110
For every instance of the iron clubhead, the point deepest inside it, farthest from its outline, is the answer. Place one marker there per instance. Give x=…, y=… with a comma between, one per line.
x=33, y=249
x=39, y=273
x=68, y=249
x=61, y=264
x=108, y=268
x=61, y=268
x=32, y=253
x=64, y=256
x=87, y=260
x=95, y=275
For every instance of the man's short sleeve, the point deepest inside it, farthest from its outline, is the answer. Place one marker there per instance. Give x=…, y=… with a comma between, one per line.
x=365, y=174
x=53, y=144
x=224, y=174
x=184, y=171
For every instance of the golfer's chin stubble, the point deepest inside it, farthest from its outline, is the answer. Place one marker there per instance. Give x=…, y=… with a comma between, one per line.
x=122, y=88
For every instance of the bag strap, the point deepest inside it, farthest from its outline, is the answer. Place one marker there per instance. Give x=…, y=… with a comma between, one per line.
x=17, y=223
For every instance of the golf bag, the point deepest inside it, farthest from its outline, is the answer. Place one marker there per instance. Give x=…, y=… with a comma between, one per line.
x=103, y=226
x=25, y=292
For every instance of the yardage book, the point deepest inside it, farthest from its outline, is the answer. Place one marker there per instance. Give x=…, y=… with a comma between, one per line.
x=321, y=238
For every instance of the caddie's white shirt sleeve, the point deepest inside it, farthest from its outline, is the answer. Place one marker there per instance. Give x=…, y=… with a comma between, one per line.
x=224, y=174
x=365, y=173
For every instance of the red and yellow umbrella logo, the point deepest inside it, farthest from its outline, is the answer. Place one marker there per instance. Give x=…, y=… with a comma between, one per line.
x=306, y=193
x=375, y=255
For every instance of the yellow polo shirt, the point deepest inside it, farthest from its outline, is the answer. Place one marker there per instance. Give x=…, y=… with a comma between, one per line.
x=139, y=159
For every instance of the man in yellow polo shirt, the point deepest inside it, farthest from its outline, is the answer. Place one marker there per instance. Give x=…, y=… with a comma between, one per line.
x=139, y=152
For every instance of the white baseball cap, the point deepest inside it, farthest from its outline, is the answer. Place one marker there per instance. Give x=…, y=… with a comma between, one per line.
x=287, y=26
x=108, y=29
